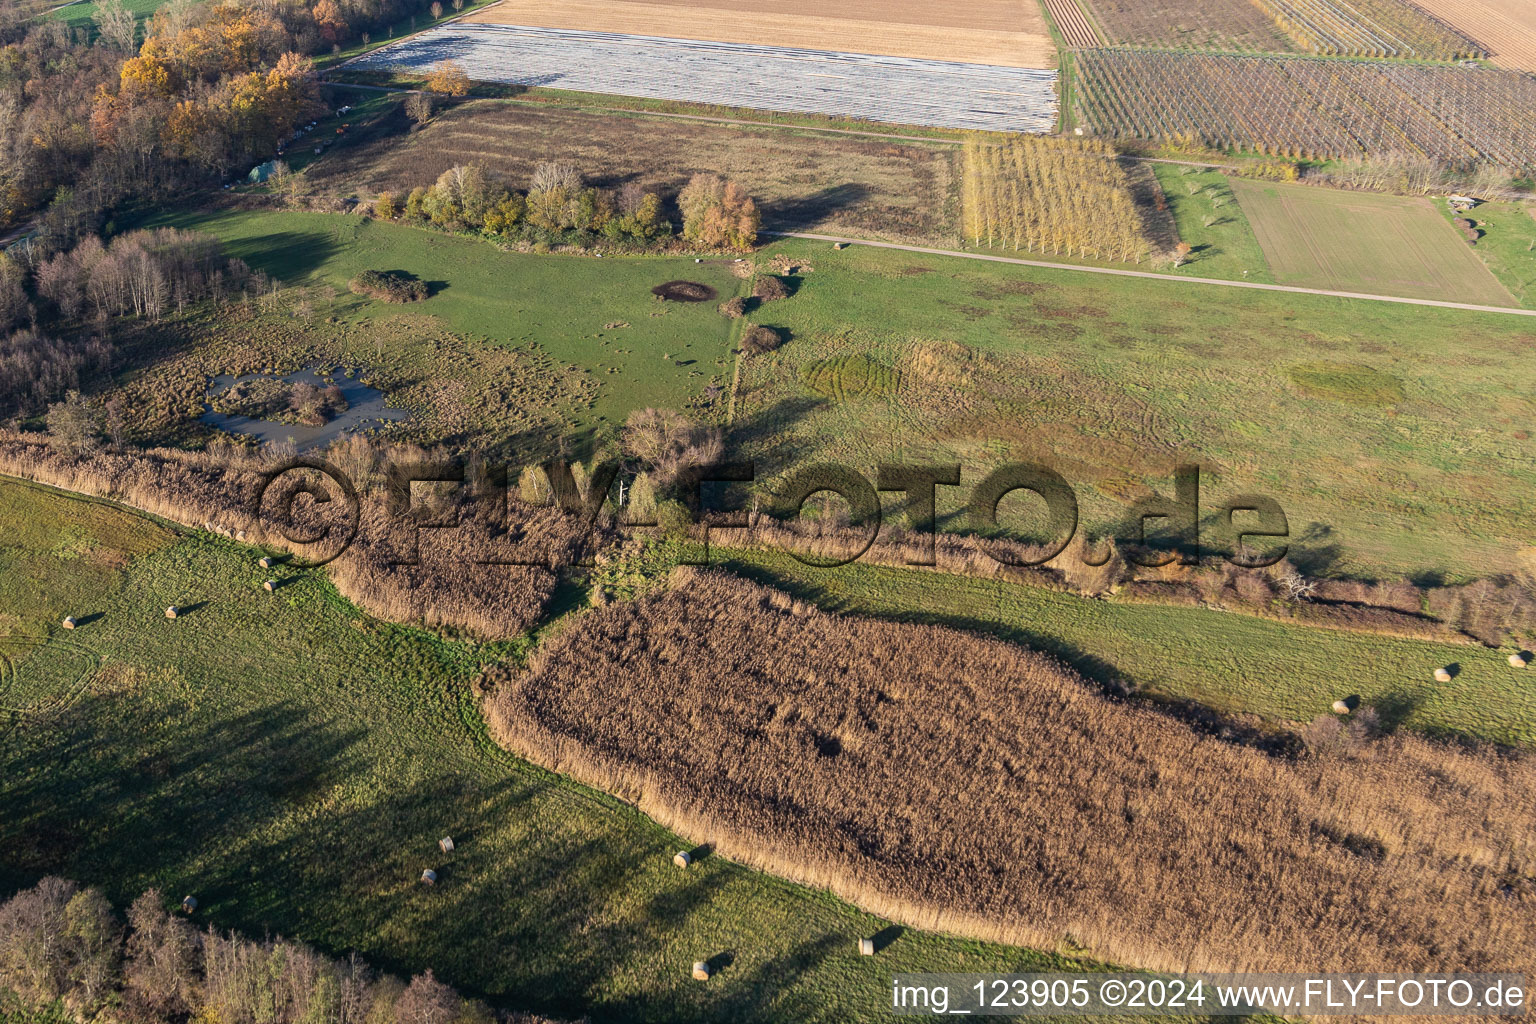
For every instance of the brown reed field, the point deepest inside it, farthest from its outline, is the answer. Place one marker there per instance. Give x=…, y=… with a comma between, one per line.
x=958, y=783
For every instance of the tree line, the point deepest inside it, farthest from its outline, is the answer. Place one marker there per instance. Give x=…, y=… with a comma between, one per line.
x=560, y=208
x=1062, y=196
x=65, y=955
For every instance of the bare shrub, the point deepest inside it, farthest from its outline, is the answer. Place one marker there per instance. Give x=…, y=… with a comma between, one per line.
x=760, y=340
x=556, y=174
x=855, y=754
x=769, y=288
x=668, y=442
x=418, y=107
x=58, y=941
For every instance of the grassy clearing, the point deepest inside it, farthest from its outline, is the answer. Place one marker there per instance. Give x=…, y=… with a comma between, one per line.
x=80, y=15
x=293, y=763
x=1212, y=223
x=1113, y=381
x=590, y=338
x=1235, y=663
x=1507, y=245
x=1358, y=242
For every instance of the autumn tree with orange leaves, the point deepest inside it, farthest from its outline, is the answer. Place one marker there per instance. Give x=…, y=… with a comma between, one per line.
x=448, y=78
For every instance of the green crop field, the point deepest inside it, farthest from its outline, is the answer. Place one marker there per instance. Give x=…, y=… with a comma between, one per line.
x=1393, y=436
x=1236, y=663
x=1358, y=242
x=293, y=763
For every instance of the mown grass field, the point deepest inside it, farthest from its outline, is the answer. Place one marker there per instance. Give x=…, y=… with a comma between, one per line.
x=1114, y=381
x=293, y=764
x=1358, y=242
x=584, y=335
x=1235, y=663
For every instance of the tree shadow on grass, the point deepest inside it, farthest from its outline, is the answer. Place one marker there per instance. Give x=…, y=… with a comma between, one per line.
x=801, y=212
x=285, y=821
x=286, y=255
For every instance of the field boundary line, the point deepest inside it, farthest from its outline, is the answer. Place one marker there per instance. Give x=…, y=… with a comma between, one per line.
x=744, y=122
x=1150, y=276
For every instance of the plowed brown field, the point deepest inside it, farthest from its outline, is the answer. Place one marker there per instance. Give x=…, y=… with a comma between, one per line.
x=1506, y=27
x=1011, y=33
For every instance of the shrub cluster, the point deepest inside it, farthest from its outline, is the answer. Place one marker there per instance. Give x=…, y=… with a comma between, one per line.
x=557, y=209
x=759, y=340
x=388, y=286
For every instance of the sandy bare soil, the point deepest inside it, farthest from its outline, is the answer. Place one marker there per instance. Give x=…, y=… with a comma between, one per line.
x=1506, y=27
x=1011, y=33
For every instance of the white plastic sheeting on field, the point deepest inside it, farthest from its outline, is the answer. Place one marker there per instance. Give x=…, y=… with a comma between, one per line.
x=899, y=90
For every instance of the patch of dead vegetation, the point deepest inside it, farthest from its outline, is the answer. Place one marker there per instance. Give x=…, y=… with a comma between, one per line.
x=894, y=192
x=789, y=739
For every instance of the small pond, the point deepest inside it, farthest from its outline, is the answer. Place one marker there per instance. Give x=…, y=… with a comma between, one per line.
x=366, y=409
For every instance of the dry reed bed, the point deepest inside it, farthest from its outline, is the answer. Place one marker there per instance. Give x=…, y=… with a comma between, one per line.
x=437, y=578
x=957, y=783
x=452, y=577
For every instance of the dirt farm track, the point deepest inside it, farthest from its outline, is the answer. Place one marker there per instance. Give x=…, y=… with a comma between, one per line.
x=1506, y=27
x=1010, y=33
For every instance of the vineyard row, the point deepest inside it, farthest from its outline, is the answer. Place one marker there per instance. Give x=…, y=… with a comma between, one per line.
x=1309, y=108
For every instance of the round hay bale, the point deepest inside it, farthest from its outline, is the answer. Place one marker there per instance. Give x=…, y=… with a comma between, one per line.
x=1442, y=675
x=1519, y=660
x=866, y=947
x=189, y=904
x=682, y=859
x=265, y=562
x=445, y=844
x=269, y=586
x=1341, y=707
x=429, y=877
x=69, y=622
x=700, y=971
x=171, y=612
